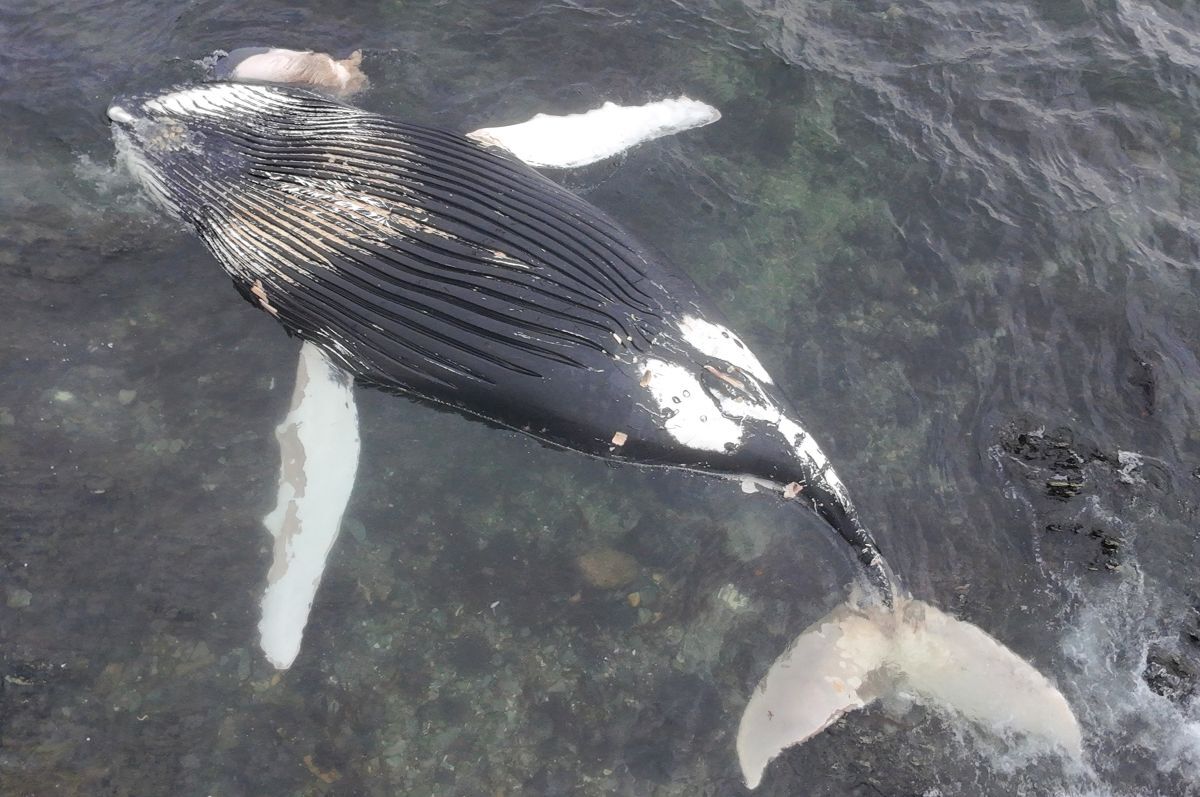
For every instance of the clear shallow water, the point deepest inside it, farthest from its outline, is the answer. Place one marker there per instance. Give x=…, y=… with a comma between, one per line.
x=963, y=236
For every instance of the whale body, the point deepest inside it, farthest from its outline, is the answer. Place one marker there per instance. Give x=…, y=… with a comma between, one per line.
x=442, y=267
x=426, y=263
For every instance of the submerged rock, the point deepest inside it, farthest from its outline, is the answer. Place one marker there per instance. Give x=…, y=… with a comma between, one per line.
x=19, y=598
x=607, y=568
x=1170, y=675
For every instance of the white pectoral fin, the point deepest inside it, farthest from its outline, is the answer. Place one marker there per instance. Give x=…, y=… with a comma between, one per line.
x=299, y=67
x=318, y=446
x=579, y=139
x=855, y=655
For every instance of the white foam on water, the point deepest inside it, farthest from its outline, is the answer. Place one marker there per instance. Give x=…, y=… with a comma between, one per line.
x=132, y=160
x=105, y=177
x=1108, y=642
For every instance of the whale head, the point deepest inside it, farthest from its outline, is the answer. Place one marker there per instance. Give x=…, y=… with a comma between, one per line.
x=184, y=145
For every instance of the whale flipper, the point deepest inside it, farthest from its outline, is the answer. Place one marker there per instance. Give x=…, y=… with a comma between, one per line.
x=320, y=71
x=562, y=142
x=318, y=446
x=858, y=654
x=566, y=142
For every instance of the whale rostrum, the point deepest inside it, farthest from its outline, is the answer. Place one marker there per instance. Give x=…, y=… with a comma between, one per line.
x=445, y=268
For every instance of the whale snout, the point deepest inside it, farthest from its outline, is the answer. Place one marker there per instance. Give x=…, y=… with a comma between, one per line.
x=118, y=114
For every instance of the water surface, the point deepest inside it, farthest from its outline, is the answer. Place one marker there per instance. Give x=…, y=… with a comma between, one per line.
x=964, y=237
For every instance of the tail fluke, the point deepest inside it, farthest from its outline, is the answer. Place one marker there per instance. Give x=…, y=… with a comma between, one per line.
x=857, y=654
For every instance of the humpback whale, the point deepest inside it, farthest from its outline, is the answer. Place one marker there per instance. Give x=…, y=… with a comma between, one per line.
x=445, y=268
